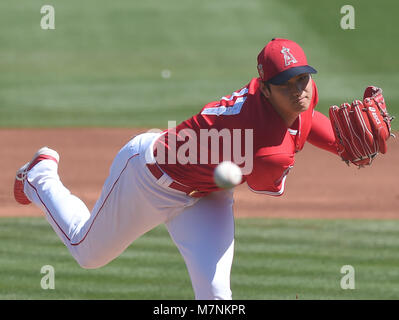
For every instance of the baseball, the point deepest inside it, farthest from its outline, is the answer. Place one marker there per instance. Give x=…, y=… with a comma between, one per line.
x=227, y=175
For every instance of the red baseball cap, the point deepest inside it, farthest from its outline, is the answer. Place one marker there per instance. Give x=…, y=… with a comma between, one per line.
x=280, y=60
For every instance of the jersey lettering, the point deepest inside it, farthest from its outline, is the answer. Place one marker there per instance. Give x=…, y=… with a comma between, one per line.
x=228, y=110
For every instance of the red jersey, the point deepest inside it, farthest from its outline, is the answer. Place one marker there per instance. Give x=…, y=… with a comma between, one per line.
x=245, y=129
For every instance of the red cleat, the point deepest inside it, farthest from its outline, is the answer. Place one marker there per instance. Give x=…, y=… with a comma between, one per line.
x=43, y=154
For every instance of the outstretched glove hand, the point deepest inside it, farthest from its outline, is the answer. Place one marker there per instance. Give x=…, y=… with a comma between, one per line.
x=362, y=128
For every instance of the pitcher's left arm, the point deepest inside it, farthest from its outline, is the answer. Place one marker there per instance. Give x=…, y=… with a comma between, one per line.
x=321, y=134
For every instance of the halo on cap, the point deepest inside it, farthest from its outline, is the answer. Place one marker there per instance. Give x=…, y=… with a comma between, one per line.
x=280, y=60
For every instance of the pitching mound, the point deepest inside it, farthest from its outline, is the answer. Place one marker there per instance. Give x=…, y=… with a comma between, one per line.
x=319, y=186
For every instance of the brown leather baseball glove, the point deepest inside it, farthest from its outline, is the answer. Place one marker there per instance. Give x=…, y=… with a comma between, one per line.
x=362, y=128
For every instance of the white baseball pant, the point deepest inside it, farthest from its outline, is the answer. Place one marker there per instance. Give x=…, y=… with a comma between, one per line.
x=133, y=202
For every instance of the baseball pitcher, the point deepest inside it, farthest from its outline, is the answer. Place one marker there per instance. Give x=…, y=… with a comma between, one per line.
x=167, y=178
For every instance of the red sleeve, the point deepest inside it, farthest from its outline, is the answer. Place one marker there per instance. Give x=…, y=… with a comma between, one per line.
x=321, y=134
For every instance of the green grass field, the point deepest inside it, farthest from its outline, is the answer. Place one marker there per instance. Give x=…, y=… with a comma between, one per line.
x=102, y=67
x=275, y=259
x=102, y=64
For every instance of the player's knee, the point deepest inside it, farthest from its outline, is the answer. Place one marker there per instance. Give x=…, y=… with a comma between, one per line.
x=89, y=264
x=90, y=261
x=220, y=290
x=213, y=289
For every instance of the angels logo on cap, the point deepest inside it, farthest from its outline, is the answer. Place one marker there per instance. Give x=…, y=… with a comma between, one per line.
x=288, y=57
x=280, y=60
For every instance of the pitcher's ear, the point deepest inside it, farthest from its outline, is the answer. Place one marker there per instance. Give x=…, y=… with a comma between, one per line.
x=265, y=88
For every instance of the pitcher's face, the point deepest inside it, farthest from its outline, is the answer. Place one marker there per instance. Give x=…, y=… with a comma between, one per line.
x=295, y=95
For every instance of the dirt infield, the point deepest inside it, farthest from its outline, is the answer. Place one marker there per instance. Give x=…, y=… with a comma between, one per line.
x=319, y=186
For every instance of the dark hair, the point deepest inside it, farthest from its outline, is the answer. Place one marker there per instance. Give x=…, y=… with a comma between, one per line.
x=267, y=84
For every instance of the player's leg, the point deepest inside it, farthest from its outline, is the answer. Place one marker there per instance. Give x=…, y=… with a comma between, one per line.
x=204, y=234
x=126, y=209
